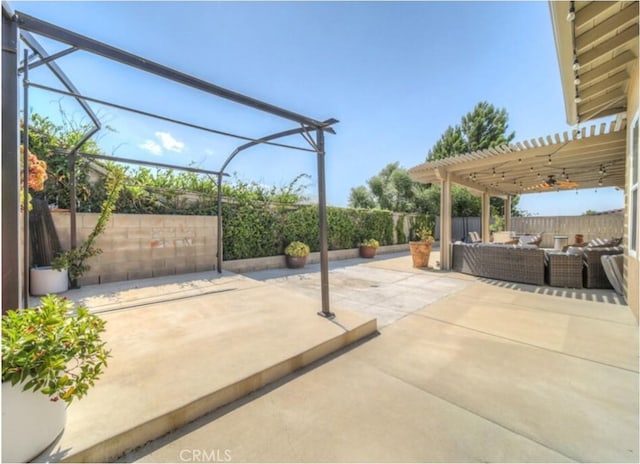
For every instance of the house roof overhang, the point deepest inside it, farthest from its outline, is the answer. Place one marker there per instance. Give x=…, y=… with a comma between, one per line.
x=602, y=42
x=592, y=157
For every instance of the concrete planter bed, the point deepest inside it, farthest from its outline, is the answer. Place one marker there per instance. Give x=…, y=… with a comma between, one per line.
x=275, y=262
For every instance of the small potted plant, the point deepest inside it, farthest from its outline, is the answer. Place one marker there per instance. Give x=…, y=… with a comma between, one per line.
x=368, y=248
x=296, y=254
x=51, y=355
x=421, y=249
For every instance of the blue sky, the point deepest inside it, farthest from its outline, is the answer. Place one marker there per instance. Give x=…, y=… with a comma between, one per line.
x=396, y=75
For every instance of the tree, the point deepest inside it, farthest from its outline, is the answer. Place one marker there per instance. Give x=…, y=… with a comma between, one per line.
x=360, y=197
x=483, y=127
x=451, y=143
x=486, y=127
x=390, y=189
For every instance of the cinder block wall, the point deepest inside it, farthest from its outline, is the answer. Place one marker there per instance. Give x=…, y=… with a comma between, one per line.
x=136, y=246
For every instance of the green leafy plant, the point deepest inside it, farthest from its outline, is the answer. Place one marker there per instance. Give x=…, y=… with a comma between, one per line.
x=56, y=348
x=498, y=224
x=400, y=235
x=424, y=234
x=75, y=260
x=298, y=249
x=370, y=242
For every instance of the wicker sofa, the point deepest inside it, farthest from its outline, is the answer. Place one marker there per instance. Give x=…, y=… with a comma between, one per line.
x=594, y=275
x=503, y=262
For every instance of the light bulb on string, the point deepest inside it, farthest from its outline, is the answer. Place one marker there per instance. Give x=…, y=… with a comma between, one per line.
x=571, y=15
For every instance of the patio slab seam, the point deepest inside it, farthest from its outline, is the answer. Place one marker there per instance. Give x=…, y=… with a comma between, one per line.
x=520, y=342
x=474, y=413
x=529, y=309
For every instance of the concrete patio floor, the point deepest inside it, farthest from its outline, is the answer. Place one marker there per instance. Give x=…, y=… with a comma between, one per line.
x=486, y=371
x=462, y=370
x=185, y=346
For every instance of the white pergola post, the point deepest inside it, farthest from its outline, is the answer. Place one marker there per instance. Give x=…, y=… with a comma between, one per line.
x=486, y=209
x=507, y=213
x=445, y=222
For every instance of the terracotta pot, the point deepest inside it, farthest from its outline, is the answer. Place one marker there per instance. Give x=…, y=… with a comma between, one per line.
x=296, y=262
x=579, y=238
x=367, y=251
x=420, y=252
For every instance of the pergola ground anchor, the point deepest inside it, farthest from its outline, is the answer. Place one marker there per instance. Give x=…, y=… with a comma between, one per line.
x=327, y=315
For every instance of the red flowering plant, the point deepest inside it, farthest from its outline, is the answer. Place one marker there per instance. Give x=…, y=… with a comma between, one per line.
x=56, y=348
x=37, y=174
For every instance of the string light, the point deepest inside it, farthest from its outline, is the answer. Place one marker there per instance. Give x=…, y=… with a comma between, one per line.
x=503, y=176
x=549, y=160
x=571, y=16
x=494, y=171
x=577, y=98
x=576, y=65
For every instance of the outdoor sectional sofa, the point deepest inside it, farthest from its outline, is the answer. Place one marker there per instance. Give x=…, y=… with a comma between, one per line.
x=529, y=264
x=594, y=275
x=514, y=263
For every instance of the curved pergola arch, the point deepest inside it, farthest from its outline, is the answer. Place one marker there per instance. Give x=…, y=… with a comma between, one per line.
x=18, y=25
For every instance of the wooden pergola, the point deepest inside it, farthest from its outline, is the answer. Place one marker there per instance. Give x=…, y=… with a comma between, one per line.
x=588, y=158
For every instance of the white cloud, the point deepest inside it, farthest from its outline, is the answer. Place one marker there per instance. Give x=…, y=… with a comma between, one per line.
x=209, y=152
x=151, y=147
x=169, y=143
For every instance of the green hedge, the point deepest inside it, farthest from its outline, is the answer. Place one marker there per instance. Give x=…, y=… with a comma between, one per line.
x=252, y=231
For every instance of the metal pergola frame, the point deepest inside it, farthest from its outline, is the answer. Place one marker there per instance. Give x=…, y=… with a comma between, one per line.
x=17, y=24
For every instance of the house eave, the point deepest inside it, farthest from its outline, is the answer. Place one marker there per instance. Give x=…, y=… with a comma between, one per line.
x=564, y=53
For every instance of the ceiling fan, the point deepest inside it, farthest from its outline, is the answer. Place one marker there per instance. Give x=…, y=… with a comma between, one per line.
x=553, y=183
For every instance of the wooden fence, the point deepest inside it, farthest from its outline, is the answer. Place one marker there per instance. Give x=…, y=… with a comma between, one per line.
x=597, y=226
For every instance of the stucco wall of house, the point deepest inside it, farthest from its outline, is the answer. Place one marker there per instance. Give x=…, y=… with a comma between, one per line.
x=138, y=246
x=631, y=265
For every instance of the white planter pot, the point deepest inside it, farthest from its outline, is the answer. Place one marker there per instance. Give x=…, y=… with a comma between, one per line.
x=45, y=280
x=30, y=423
